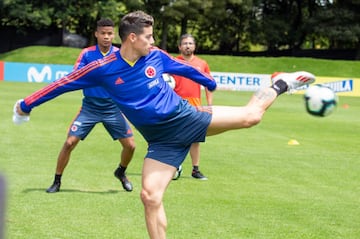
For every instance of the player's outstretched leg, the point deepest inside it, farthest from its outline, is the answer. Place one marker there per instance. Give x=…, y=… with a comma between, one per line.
x=235, y=117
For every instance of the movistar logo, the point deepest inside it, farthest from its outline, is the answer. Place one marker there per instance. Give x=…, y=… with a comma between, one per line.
x=44, y=75
x=34, y=76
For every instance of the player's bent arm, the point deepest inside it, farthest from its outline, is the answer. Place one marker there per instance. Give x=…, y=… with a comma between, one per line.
x=182, y=68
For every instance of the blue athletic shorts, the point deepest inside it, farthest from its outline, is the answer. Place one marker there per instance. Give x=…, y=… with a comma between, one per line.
x=169, y=141
x=99, y=110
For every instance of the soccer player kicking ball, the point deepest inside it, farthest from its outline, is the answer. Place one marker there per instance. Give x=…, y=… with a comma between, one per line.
x=133, y=79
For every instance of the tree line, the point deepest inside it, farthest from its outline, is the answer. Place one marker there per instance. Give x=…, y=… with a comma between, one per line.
x=228, y=26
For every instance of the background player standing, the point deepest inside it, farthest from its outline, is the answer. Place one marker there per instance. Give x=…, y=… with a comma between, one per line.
x=191, y=91
x=97, y=107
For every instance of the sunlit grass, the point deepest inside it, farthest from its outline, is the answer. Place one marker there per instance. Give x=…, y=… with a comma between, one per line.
x=258, y=187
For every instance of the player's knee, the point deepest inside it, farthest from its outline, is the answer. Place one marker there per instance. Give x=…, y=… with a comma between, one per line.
x=254, y=117
x=145, y=197
x=131, y=147
x=70, y=144
x=149, y=199
x=128, y=144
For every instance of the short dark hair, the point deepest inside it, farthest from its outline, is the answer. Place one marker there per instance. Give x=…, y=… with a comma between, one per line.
x=186, y=35
x=134, y=22
x=105, y=22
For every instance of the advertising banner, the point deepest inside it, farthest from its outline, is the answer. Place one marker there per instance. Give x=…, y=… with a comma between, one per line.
x=253, y=82
x=46, y=73
x=342, y=86
x=37, y=73
x=240, y=81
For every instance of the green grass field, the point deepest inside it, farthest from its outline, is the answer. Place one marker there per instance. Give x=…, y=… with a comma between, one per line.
x=259, y=187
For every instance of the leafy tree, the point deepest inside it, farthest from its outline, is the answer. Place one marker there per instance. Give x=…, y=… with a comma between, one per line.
x=225, y=24
x=277, y=24
x=172, y=18
x=22, y=15
x=76, y=16
x=80, y=16
x=337, y=24
x=290, y=24
x=218, y=25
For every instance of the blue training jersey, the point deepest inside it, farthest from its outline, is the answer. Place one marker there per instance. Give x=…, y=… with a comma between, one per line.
x=86, y=56
x=139, y=90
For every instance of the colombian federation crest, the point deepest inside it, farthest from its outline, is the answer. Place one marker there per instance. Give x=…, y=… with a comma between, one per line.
x=150, y=72
x=74, y=128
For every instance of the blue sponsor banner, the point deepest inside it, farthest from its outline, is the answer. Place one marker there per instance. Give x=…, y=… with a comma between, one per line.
x=341, y=86
x=37, y=73
x=46, y=73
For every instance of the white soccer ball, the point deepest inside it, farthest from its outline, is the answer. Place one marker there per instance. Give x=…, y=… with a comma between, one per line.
x=169, y=79
x=320, y=100
x=177, y=173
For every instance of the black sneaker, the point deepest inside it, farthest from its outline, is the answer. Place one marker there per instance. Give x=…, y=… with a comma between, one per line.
x=198, y=175
x=54, y=188
x=126, y=184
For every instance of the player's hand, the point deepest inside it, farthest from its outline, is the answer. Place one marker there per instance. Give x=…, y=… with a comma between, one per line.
x=19, y=116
